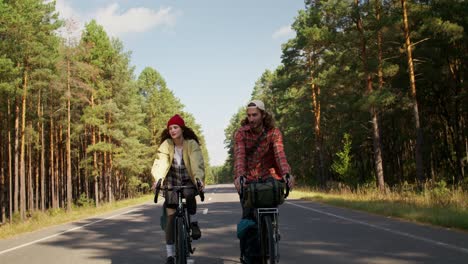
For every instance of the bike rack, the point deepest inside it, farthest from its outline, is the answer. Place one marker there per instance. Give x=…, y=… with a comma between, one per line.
x=267, y=211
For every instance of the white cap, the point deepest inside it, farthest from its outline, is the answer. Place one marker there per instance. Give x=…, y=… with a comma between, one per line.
x=256, y=104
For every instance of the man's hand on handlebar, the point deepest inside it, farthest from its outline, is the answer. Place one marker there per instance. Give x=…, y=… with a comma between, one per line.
x=289, y=179
x=237, y=184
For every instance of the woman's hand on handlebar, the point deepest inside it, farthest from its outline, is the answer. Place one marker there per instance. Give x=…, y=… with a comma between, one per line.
x=200, y=185
x=201, y=189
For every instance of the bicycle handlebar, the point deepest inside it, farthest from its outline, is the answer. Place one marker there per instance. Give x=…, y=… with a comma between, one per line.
x=177, y=188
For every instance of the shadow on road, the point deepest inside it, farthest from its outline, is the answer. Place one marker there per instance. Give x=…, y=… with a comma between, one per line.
x=136, y=237
x=307, y=237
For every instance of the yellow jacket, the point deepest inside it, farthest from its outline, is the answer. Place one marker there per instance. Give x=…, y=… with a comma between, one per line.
x=192, y=156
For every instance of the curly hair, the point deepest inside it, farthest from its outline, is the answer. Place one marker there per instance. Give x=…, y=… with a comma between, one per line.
x=187, y=132
x=268, y=121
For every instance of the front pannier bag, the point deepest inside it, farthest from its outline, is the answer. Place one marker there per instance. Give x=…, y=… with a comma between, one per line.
x=264, y=194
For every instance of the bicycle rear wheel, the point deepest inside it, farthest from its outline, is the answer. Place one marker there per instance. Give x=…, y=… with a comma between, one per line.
x=269, y=241
x=181, y=241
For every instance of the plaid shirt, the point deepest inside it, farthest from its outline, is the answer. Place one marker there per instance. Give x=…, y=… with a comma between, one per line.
x=268, y=159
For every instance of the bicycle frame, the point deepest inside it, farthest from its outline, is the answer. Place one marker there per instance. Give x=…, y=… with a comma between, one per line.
x=182, y=228
x=268, y=228
x=183, y=241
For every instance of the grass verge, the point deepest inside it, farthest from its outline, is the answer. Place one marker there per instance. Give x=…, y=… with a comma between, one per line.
x=40, y=220
x=390, y=205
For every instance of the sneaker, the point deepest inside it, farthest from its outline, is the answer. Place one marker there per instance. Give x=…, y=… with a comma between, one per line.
x=196, y=233
x=170, y=260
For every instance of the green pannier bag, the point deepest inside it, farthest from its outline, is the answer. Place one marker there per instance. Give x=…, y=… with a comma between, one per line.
x=265, y=194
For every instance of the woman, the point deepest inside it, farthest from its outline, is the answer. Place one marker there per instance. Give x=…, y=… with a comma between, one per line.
x=179, y=161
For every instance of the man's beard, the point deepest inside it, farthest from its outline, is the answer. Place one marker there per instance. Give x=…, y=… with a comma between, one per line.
x=254, y=125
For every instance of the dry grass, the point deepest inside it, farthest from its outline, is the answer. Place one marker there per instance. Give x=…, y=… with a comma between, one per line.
x=437, y=205
x=40, y=220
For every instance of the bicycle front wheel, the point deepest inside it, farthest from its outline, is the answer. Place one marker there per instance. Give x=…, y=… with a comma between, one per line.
x=269, y=242
x=181, y=241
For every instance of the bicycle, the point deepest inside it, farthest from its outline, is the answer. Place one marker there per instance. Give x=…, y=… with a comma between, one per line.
x=268, y=228
x=182, y=227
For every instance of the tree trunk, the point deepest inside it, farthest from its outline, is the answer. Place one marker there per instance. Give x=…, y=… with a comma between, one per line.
x=454, y=67
x=320, y=171
x=2, y=174
x=10, y=174
x=102, y=171
x=16, y=163
x=111, y=196
x=36, y=184
x=375, y=124
x=377, y=141
x=59, y=154
x=52, y=163
x=419, y=133
x=43, y=172
x=38, y=157
x=86, y=179
x=22, y=152
x=30, y=169
x=109, y=165
x=109, y=187
x=104, y=177
x=69, y=176
x=78, y=178
x=95, y=167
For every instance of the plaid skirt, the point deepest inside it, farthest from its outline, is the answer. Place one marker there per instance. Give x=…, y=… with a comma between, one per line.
x=177, y=176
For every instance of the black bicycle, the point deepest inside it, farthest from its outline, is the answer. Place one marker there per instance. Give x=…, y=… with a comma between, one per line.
x=268, y=229
x=182, y=227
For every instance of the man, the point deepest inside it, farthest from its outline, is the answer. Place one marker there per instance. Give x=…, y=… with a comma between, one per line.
x=259, y=151
x=268, y=159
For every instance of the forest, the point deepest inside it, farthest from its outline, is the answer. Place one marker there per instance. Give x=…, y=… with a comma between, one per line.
x=77, y=127
x=371, y=93
x=368, y=93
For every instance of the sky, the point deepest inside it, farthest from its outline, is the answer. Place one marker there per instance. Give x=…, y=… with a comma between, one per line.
x=210, y=52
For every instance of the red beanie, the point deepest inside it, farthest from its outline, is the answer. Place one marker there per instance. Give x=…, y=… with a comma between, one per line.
x=176, y=120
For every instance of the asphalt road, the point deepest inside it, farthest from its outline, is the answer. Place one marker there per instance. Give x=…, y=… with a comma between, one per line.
x=310, y=233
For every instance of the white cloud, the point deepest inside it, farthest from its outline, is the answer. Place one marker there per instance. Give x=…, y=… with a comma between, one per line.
x=114, y=20
x=74, y=23
x=65, y=9
x=283, y=32
x=138, y=19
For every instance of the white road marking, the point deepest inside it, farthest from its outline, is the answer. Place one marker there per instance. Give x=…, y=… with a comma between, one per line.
x=209, y=199
x=205, y=211
x=66, y=231
x=430, y=241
